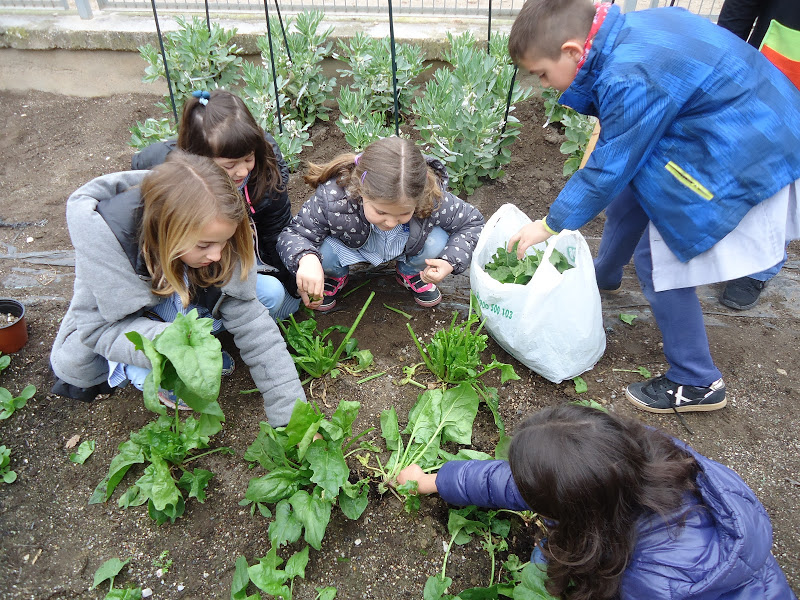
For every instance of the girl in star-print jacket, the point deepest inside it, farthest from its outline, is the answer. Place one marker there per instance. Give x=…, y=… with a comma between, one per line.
x=388, y=203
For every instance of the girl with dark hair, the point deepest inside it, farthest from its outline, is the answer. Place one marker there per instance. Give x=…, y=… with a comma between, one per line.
x=147, y=247
x=631, y=513
x=390, y=202
x=218, y=125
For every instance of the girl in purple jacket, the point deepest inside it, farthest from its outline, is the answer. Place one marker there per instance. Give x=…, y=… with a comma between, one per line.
x=631, y=512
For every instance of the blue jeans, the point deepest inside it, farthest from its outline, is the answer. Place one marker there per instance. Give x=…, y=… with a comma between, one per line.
x=434, y=244
x=678, y=313
x=275, y=298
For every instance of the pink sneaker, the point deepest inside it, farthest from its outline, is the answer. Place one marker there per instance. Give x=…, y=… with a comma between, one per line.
x=333, y=285
x=425, y=294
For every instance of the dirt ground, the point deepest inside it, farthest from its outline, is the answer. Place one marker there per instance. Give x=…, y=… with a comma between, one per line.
x=53, y=541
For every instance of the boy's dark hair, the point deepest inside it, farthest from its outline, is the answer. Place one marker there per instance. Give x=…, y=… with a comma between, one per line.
x=225, y=128
x=542, y=26
x=595, y=475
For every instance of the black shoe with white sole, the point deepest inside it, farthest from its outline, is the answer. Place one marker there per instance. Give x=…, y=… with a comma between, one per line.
x=660, y=395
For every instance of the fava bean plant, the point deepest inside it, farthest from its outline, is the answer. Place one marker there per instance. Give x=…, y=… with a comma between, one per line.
x=461, y=112
x=577, y=129
x=198, y=59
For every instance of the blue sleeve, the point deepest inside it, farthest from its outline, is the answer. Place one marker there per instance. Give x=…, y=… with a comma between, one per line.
x=634, y=115
x=484, y=483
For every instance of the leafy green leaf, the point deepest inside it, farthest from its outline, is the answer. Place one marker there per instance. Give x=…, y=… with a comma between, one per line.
x=296, y=565
x=326, y=593
x=330, y=469
x=532, y=584
x=627, y=318
x=84, y=451
x=124, y=594
x=276, y=485
x=435, y=587
x=108, y=570
x=195, y=483
x=241, y=579
x=129, y=454
x=314, y=513
x=354, y=499
x=286, y=528
x=580, y=385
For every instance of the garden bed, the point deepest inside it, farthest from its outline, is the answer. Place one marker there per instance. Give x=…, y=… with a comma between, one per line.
x=53, y=541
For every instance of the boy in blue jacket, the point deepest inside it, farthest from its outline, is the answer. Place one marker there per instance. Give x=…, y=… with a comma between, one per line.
x=697, y=165
x=631, y=513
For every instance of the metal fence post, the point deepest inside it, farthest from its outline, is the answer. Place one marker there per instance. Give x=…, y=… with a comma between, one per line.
x=84, y=10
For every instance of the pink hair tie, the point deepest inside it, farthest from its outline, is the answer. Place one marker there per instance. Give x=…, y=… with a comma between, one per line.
x=363, y=177
x=355, y=160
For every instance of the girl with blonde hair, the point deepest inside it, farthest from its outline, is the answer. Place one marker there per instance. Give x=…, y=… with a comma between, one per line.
x=151, y=245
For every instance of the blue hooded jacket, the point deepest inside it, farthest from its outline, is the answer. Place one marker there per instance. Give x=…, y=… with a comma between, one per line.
x=723, y=551
x=699, y=123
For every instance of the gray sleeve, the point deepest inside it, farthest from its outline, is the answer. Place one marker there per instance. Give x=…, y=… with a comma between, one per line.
x=264, y=351
x=304, y=233
x=464, y=223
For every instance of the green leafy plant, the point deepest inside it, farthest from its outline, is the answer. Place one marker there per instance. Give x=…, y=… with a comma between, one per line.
x=306, y=476
x=6, y=473
x=439, y=416
x=315, y=353
x=461, y=114
x=580, y=385
x=198, y=59
x=577, y=129
x=369, y=67
x=258, y=94
x=454, y=356
x=359, y=126
x=505, y=267
x=8, y=402
x=307, y=473
x=151, y=131
x=163, y=562
x=108, y=571
x=462, y=525
x=187, y=359
x=83, y=452
x=643, y=371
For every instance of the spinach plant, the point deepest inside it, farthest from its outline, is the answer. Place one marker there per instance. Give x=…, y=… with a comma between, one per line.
x=315, y=353
x=439, y=416
x=577, y=128
x=270, y=579
x=454, y=356
x=8, y=402
x=187, y=359
x=369, y=67
x=198, y=59
x=505, y=267
x=462, y=525
x=461, y=114
x=6, y=473
x=109, y=571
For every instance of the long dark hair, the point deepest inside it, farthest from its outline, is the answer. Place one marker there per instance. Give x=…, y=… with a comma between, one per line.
x=225, y=128
x=595, y=475
x=390, y=170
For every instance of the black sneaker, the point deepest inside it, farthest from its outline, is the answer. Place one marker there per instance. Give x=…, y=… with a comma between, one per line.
x=228, y=364
x=333, y=285
x=660, y=395
x=425, y=294
x=742, y=293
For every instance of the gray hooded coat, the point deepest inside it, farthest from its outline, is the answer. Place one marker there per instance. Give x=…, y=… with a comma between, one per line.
x=111, y=296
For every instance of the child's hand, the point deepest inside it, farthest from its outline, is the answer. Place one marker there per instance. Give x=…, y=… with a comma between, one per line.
x=426, y=482
x=436, y=270
x=310, y=280
x=530, y=235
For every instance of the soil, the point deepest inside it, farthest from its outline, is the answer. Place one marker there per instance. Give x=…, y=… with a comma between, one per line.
x=53, y=541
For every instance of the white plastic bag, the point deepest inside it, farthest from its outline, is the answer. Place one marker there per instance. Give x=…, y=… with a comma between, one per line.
x=554, y=323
